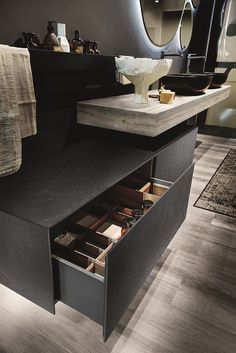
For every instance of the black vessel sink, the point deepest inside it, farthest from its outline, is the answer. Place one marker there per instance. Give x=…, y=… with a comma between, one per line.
x=218, y=79
x=187, y=84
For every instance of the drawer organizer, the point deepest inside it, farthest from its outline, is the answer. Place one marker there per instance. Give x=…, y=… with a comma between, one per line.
x=108, y=247
x=89, y=238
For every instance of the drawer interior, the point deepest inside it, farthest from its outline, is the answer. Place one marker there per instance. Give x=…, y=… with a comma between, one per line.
x=91, y=233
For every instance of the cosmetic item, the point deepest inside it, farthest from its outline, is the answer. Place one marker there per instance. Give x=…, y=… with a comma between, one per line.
x=50, y=41
x=31, y=40
x=88, y=47
x=77, y=44
x=167, y=96
x=95, y=48
x=61, y=36
x=113, y=232
x=137, y=214
x=146, y=204
x=65, y=239
x=127, y=224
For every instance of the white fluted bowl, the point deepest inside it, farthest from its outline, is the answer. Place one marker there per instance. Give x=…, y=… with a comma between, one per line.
x=142, y=72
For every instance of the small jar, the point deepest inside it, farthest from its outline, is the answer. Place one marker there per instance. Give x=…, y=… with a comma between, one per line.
x=127, y=224
x=137, y=213
x=146, y=204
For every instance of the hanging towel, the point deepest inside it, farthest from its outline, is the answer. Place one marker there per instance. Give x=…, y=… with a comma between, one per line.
x=17, y=106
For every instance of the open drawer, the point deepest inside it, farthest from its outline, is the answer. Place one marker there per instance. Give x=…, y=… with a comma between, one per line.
x=107, y=249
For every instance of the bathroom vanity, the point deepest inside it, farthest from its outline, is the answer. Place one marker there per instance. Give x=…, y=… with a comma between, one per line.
x=55, y=195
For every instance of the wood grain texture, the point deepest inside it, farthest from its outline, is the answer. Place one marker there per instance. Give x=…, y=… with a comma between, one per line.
x=186, y=305
x=122, y=114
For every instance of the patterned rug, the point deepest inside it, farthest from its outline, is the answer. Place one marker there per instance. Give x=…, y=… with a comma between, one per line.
x=220, y=193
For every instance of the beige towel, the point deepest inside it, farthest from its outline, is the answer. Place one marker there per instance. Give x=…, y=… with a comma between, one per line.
x=17, y=106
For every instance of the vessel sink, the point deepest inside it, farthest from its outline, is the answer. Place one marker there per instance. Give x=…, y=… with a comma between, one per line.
x=142, y=72
x=187, y=84
x=218, y=79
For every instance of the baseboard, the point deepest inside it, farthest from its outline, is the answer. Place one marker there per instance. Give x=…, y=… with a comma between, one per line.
x=217, y=131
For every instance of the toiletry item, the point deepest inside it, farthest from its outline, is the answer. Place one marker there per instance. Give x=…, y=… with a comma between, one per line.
x=167, y=96
x=146, y=204
x=65, y=239
x=31, y=40
x=137, y=214
x=50, y=41
x=95, y=48
x=77, y=44
x=61, y=36
x=127, y=224
x=88, y=47
x=113, y=232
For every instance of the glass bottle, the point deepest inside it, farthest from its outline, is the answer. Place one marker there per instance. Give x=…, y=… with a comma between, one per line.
x=77, y=44
x=50, y=40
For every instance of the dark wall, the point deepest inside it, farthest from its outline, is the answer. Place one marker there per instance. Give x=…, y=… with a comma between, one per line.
x=116, y=24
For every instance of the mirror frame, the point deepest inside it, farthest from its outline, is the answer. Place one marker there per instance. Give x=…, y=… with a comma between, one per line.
x=176, y=32
x=196, y=5
x=188, y=3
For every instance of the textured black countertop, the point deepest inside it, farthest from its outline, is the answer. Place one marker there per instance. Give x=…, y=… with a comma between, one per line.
x=48, y=190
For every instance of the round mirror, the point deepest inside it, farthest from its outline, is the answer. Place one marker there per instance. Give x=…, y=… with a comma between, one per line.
x=161, y=19
x=186, y=26
x=196, y=2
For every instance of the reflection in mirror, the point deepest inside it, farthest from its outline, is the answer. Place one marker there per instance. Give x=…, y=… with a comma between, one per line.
x=186, y=26
x=196, y=2
x=162, y=18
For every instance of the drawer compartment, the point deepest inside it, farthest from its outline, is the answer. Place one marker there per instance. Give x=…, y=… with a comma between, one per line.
x=109, y=247
x=132, y=259
x=79, y=288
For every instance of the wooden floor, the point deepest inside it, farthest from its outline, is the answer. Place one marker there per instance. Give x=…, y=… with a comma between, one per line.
x=187, y=305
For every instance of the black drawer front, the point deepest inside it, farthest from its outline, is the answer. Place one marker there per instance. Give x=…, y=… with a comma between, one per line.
x=132, y=259
x=173, y=160
x=79, y=289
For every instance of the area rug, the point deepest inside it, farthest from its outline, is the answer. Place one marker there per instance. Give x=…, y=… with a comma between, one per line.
x=220, y=193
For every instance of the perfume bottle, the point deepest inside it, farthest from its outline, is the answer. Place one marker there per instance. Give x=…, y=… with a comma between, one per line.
x=50, y=41
x=77, y=44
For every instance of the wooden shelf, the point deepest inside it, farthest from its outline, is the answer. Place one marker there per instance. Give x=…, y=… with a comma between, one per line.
x=122, y=114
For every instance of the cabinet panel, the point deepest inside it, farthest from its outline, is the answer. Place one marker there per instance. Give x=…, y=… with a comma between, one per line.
x=174, y=159
x=25, y=260
x=80, y=290
x=131, y=260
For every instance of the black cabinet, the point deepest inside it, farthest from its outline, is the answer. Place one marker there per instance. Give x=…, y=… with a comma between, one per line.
x=53, y=197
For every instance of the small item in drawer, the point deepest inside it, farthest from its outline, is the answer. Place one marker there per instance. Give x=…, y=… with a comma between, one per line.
x=113, y=232
x=146, y=204
x=128, y=222
x=137, y=213
x=65, y=239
